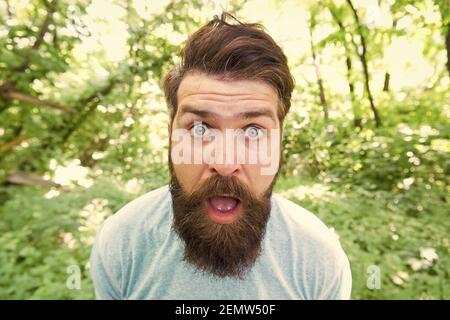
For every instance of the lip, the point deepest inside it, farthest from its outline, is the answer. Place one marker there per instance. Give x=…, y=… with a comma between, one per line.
x=220, y=217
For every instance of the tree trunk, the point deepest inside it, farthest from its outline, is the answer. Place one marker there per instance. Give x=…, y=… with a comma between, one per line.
x=357, y=121
x=323, y=100
x=363, y=58
x=447, y=46
x=387, y=78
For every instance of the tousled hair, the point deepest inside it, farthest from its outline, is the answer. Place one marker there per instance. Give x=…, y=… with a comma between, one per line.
x=233, y=51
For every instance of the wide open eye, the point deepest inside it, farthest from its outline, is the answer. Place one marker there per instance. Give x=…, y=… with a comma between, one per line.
x=199, y=129
x=253, y=132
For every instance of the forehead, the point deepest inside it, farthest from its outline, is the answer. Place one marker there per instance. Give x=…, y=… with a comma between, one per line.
x=225, y=96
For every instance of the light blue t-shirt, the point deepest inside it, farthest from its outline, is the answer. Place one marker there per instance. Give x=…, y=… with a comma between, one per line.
x=137, y=255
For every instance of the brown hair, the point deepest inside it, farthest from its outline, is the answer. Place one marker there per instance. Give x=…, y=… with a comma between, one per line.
x=233, y=51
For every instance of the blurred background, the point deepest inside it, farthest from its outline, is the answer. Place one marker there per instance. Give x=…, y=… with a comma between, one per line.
x=83, y=130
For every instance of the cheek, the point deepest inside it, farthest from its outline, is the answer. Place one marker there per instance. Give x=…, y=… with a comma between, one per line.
x=258, y=182
x=187, y=174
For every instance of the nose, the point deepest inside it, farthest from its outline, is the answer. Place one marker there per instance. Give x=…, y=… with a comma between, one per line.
x=225, y=169
x=223, y=165
x=225, y=156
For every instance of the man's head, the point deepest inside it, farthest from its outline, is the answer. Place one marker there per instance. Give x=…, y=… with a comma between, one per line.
x=233, y=85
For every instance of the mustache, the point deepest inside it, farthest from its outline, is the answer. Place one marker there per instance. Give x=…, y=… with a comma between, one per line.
x=217, y=185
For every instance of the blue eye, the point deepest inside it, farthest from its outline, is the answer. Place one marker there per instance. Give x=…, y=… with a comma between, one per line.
x=254, y=132
x=199, y=130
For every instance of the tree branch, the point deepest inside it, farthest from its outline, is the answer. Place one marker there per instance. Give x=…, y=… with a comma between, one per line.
x=8, y=9
x=51, y=8
x=91, y=103
x=25, y=178
x=15, y=142
x=12, y=94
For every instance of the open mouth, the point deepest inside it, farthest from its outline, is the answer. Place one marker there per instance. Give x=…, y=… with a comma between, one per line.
x=223, y=209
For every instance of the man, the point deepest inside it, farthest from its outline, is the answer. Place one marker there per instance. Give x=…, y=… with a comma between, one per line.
x=217, y=232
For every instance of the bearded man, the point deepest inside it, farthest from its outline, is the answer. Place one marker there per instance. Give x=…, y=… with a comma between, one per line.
x=217, y=231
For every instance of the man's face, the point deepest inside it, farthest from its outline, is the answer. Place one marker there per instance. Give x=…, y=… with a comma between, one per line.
x=221, y=198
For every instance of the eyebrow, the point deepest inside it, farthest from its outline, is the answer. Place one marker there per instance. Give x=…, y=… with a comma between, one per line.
x=261, y=112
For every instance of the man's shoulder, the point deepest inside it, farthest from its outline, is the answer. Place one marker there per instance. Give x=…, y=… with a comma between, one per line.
x=308, y=234
x=303, y=222
x=121, y=236
x=314, y=249
x=148, y=211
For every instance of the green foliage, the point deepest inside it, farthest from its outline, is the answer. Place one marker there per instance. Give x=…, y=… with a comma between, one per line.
x=387, y=230
x=406, y=147
x=42, y=237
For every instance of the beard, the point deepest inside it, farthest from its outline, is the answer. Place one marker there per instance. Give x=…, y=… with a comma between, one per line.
x=223, y=250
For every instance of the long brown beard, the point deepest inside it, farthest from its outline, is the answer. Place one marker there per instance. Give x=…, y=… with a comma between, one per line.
x=224, y=250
